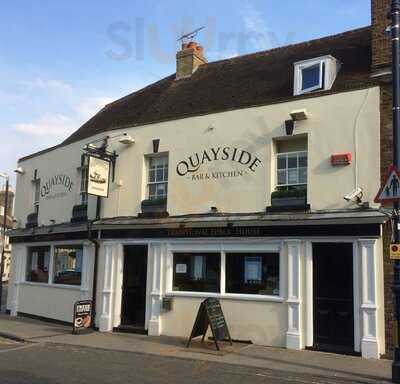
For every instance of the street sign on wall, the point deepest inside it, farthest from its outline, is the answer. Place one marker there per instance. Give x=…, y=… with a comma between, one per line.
x=395, y=251
x=98, y=177
x=390, y=191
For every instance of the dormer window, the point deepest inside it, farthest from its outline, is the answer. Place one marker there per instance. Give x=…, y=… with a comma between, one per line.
x=315, y=75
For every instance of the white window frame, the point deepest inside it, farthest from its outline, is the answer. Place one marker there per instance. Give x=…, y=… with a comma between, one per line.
x=53, y=263
x=329, y=67
x=223, y=249
x=148, y=182
x=301, y=68
x=50, y=284
x=28, y=248
x=287, y=169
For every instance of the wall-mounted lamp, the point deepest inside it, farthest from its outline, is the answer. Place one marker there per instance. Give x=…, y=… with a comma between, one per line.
x=127, y=139
x=156, y=145
x=299, y=114
x=19, y=171
x=289, y=126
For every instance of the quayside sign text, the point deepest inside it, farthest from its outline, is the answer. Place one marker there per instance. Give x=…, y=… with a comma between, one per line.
x=193, y=164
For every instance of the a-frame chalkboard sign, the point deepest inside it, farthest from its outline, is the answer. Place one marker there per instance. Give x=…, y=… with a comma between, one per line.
x=210, y=314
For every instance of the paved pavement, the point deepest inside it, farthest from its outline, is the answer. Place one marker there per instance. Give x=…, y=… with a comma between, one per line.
x=253, y=357
x=61, y=364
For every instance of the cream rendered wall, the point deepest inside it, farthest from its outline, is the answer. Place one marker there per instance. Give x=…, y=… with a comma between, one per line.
x=346, y=122
x=48, y=301
x=263, y=323
x=58, y=204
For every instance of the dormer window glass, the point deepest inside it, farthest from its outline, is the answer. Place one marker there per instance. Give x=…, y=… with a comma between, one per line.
x=317, y=74
x=311, y=78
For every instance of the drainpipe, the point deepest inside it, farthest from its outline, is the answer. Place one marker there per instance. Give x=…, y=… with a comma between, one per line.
x=395, y=34
x=94, y=286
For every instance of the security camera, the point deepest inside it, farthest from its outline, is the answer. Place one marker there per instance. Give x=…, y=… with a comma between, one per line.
x=355, y=195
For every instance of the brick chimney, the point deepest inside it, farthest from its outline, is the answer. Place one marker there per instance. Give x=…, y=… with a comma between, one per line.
x=381, y=44
x=189, y=59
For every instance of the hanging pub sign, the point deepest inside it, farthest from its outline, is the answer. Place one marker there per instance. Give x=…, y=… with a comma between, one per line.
x=210, y=314
x=98, y=177
x=82, y=316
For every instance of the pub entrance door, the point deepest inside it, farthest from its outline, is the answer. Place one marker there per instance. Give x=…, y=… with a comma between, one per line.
x=333, y=297
x=133, y=309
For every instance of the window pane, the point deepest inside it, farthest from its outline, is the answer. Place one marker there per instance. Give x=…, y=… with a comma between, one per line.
x=282, y=177
x=160, y=189
x=310, y=77
x=152, y=189
x=256, y=274
x=282, y=162
x=160, y=174
x=37, y=266
x=166, y=174
x=152, y=164
x=302, y=159
x=152, y=176
x=197, y=272
x=68, y=265
x=292, y=160
x=302, y=175
x=292, y=176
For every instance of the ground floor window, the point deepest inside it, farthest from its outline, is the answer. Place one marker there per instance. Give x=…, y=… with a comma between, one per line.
x=54, y=264
x=37, y=266
x=68, y=265
x=198, y=272
x=249, y=273
x=256, y=274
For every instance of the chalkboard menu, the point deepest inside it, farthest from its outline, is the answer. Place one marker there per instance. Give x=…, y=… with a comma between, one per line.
x=82, y=316
x=210, y=314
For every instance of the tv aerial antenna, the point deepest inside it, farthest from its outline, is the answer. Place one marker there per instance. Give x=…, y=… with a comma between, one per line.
x=190, y=35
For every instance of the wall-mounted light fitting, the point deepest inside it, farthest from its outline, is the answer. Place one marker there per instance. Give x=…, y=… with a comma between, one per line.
x=19, y=171
x=299, y=114
x=289, y=126
x=156, y=145
x=127, y=139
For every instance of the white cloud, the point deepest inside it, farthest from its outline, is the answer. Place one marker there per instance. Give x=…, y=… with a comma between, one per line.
x=50, y=84
x=90, y=106
x=49, y=125
x=256, y=28
x=57, y=125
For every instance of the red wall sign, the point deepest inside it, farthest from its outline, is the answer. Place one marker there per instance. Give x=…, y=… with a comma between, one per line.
x=341, y=159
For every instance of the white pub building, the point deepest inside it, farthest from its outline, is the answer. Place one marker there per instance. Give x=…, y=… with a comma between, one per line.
x=251, y=180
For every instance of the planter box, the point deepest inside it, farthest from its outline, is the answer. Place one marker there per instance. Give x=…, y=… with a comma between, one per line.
x=79, y=213
x=282, y=204
x=32, y=220
x=154, y=208
x=289, y=201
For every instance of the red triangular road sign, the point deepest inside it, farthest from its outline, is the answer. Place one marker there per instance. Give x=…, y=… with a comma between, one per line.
x=390, y=191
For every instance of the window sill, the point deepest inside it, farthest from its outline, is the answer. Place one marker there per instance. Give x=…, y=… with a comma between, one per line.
x=226, y=296
x=46, y=285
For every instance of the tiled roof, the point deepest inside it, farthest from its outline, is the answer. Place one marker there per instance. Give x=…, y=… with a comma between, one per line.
x=257, y=79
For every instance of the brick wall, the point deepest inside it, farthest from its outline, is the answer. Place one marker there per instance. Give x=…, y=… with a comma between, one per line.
x=380, y=42
x=386, y=160
x=381, y=57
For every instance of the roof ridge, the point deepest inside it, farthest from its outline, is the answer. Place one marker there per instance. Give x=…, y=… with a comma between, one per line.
x=289, y=46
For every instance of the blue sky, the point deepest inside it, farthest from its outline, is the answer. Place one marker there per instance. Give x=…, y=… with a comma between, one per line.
x=61, y=61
